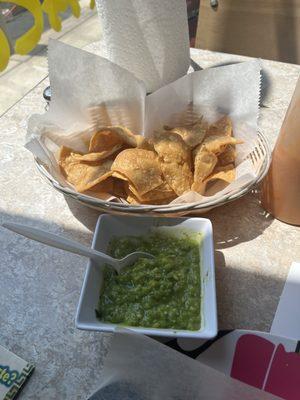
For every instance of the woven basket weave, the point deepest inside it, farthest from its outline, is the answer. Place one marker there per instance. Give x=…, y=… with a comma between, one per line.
x=260, y=158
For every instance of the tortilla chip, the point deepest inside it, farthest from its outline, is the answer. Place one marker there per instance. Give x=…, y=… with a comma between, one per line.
x=222, y=127
x=191, y=134
x=118, y=175
x=119, y=188
x=131, y=190
x=153, y=198
x=160, y=195
x=226, y=173
x=204, y=163
x=107, y=138
x=175, y=160
x=217, y=144
x=132, y=199
x=171, y=147
x=65, y=152
x=104, y=140
x=106, y=186
x=179, y=177
x=113, y=186
x=85, y=176
x=82, y=175
x=143, y=143
x=162, y=191
x=219, y=179
x=102, y=189
x=98, y=157
x=126, y=135
x=140, y=167
x=157, y=195
x=228, y=156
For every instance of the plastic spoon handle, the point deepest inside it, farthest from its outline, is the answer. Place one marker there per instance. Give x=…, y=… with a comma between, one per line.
x=61, y=243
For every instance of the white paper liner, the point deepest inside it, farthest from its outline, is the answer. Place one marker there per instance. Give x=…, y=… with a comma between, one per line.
x=91, y=92
x=140, y=368
x=149, y=38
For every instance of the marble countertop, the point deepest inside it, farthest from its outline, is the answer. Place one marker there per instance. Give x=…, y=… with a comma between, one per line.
x=40, y=286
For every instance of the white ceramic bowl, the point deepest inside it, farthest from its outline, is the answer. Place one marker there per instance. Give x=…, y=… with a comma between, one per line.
x=109, y=226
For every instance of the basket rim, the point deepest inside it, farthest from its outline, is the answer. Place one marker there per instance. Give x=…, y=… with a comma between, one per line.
x=164, y=208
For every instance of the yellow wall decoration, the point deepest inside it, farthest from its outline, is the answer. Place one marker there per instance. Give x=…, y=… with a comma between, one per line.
x=75, y=7
x=27, y=42
x=92, y=4
x=53, y=7
x=4, y=51
x=30, y=39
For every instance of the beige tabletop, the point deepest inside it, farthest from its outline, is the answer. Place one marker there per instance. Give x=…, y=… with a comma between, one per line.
x=40, y=286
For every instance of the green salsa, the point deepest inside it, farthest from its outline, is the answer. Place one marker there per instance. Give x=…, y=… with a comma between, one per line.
x=163, y=292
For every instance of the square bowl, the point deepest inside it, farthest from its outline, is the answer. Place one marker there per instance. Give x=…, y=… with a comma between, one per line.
x=111, y=226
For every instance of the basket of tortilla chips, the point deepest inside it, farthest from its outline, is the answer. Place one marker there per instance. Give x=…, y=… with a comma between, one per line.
x=121, y=171
x=186, y=148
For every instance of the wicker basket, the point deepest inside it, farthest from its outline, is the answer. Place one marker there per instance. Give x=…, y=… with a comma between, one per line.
x=260, y=158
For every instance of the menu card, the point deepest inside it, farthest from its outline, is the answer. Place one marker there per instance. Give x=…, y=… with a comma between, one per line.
x=14, y=372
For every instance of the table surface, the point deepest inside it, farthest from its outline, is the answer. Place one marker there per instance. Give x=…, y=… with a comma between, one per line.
x=40, y=286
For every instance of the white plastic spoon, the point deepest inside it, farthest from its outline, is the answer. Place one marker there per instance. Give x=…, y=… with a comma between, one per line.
x=74, y=247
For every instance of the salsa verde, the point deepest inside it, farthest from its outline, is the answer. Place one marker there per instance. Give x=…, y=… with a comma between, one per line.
x=163, y=292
